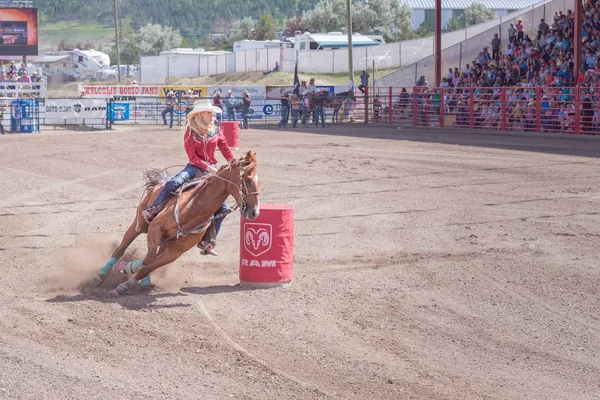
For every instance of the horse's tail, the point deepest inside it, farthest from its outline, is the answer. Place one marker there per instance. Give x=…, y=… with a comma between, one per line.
x=153, y=177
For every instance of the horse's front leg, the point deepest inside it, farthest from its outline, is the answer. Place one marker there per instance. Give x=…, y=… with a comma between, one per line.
x=163, y=255
x=138, y=227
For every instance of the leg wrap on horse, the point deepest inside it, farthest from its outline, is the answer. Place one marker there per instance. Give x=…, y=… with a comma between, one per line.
x=104, y=271
x=133, y=267
x=128, y=286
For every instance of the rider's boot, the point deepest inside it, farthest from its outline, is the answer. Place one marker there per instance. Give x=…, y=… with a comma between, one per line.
x=149, y=214
x=208, y=249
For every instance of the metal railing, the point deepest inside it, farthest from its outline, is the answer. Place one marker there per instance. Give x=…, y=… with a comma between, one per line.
x=573, y=110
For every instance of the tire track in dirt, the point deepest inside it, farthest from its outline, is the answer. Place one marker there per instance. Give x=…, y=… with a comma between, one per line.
x=199, y=305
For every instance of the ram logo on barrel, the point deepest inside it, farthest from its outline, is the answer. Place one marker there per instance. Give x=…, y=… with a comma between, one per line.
x=257, y=238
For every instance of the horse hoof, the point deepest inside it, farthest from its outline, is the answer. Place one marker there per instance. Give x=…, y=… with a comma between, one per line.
x=114, y=293
x=97, y=280
x=120, y=267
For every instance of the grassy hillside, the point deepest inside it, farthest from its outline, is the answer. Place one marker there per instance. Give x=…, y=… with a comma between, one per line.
x=194, y=19
x=51, y=34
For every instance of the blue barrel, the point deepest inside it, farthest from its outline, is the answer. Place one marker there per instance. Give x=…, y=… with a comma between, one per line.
x=25, y=116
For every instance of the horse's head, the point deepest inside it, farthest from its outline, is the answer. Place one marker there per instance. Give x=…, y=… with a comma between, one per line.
x=248, y=194
x=351, y=95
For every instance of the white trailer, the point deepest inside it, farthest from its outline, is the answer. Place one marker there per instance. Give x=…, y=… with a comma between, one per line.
x=241, y=45
x=332, y=40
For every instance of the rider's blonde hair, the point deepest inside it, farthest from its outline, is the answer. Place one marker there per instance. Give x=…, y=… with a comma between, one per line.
x=198, y=127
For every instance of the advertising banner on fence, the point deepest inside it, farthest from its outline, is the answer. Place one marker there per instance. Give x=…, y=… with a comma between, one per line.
x=116, y=92
x=180, y=90
x=71, y=111
x=257, y=93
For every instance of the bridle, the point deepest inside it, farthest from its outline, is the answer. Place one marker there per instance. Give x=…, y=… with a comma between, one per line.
x=241, y=203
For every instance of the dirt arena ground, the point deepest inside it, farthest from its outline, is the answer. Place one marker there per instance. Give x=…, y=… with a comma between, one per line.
x=429, y=265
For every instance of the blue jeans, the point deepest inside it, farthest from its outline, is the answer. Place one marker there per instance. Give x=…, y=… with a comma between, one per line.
x=186, y=174
x=245, y=115
x=219, y=221
x=231, y=114
x=189, y=172
x=285, y=113
x=165, y=112
x=305, y=116
x=295, y=116
x=319, y=113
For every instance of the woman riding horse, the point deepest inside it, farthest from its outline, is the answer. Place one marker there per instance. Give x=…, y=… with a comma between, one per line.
x=194, y=218
x=201, y=138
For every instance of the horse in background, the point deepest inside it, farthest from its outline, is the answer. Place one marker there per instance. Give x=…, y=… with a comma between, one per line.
x=336, y=100
x=185, y=220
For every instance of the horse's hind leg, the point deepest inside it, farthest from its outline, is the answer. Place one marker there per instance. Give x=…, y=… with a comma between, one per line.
x=143, y=271
x=132, y=232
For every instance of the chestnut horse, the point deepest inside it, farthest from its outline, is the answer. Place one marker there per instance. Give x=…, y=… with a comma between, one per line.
x=185, y=219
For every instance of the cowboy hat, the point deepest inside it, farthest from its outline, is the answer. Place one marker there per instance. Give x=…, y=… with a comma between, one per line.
x=204, y=105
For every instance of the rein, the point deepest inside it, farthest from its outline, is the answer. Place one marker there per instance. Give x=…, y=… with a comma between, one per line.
x=241, y=204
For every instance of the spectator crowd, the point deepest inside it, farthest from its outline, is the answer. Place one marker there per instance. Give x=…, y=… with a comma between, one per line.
x=11, y=76
x=536, y=74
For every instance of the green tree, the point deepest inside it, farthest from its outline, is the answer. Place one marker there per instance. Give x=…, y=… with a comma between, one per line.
x=153, y=38
x=477, y=13
x=423, y=31
x=266, y=28
x=327, y=16
x=389, y=18
x=293, y=25
x=243, y=29
x=457, y=22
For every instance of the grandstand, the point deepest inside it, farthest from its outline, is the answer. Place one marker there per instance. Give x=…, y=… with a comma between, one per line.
x=527, y=83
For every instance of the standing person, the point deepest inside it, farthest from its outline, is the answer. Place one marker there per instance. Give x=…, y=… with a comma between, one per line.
x=295, y=110
x=230, y=104
x=543, y=28
x=318, y=100
x=520, y=30
x=1, y=116
x=312, y=87
x=170, y=102
x=246, y=102
x=496, y=43
x=364, y=80
x=285, y=109
x=190, y=98
x=218, y=102
x=201, y=138
x=512, y=34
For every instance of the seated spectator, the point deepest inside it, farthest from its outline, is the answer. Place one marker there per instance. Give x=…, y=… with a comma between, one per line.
x=275, y=69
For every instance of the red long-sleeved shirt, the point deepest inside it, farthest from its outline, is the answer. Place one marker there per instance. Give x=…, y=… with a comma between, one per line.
x=201, y=152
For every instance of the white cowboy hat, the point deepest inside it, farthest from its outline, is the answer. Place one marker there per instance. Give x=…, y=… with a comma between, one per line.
x=204, y=105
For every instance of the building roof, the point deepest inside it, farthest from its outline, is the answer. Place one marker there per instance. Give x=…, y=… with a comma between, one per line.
x=49, y=59
x=462, y=4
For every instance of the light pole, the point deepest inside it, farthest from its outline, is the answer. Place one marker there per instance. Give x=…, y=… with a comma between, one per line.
x=117, y=43
x=350, y=53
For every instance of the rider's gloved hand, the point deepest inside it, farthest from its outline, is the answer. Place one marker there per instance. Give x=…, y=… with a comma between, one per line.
x=210, y=169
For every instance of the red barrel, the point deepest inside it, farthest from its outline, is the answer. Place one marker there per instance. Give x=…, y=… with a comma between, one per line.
x=231, y=130
x=267, y=247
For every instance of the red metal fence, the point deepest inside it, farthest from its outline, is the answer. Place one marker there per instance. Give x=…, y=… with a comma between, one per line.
x=538, y=109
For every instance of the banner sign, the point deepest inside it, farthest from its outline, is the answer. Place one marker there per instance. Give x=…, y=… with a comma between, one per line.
x=180, y=91
x=107, y=92
x=257, y=93
x=68, y=109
